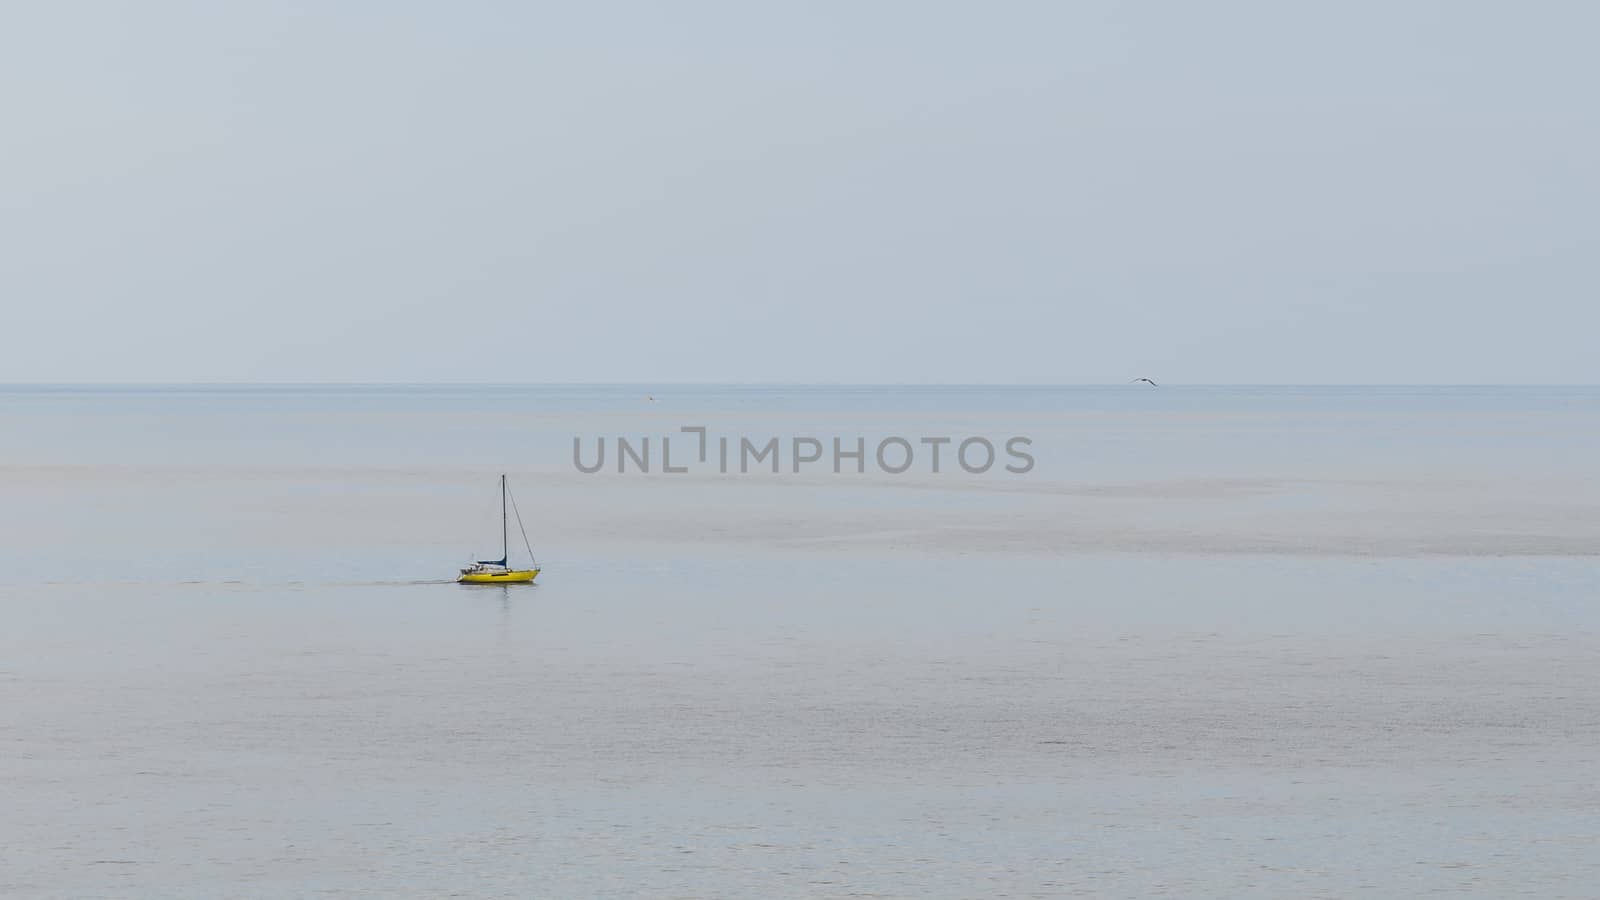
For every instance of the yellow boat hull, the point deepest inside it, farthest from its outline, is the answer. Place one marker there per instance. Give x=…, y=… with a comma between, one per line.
x=522, y=576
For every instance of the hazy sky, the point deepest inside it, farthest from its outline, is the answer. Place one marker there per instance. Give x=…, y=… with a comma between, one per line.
x=821, y=192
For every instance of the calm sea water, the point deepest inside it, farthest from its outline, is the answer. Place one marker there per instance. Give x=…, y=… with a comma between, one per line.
x=1218, y=642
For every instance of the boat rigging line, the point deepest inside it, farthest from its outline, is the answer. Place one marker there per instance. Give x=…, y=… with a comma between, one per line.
x=525, y=544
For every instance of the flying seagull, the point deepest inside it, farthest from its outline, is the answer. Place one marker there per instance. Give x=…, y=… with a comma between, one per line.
x=1145, y=380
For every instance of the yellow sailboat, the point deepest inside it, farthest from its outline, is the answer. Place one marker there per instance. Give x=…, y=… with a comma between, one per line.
x=496, y=571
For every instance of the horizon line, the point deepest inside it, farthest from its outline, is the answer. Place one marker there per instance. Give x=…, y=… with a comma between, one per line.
x=819, y=384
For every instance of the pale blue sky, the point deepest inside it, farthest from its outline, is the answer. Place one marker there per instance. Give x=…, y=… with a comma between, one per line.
x=860, y=192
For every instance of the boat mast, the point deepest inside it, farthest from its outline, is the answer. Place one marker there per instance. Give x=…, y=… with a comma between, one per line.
x=505, y=546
